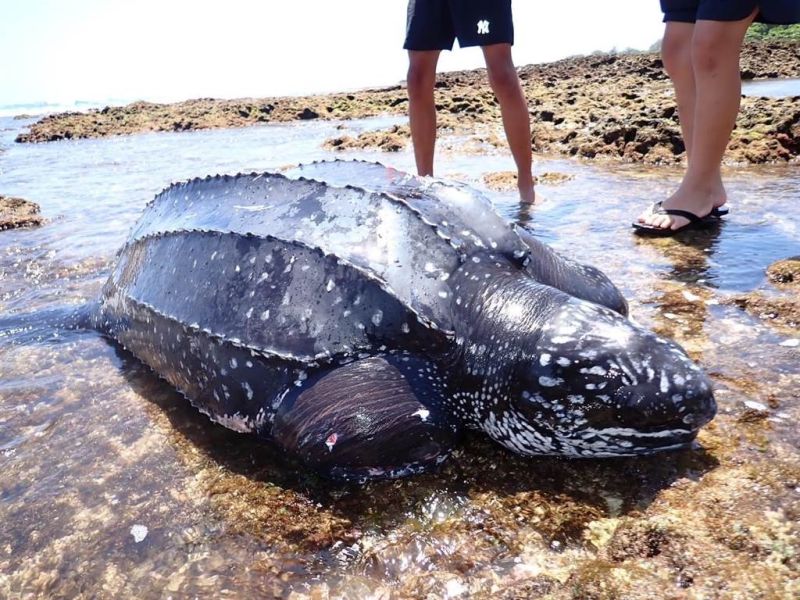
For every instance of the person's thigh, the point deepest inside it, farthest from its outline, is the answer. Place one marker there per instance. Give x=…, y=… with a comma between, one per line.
x=429, y=25
x=482, y=22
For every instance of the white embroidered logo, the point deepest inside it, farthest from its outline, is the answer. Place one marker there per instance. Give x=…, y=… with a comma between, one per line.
x=483, y=26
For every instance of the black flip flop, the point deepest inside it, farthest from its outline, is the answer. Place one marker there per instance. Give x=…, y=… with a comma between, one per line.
x=695, y=221
x=718, y=211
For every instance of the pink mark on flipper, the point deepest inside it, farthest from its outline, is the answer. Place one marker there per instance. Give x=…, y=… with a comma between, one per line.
x=331, y=441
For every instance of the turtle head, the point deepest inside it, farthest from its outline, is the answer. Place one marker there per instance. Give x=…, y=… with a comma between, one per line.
x=595, y=384
x=544, y=372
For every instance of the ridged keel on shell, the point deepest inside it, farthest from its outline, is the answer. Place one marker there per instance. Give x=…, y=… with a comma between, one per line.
x=377, y=233
x=234, y=321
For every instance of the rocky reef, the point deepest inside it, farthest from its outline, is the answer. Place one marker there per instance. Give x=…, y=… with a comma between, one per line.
x=603, y=106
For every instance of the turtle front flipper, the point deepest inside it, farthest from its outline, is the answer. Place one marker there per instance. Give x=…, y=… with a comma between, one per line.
x=582, y=281
x=375, y=418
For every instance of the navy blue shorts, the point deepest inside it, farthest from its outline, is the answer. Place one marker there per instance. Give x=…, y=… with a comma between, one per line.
x=770, y=11
x=435, y=24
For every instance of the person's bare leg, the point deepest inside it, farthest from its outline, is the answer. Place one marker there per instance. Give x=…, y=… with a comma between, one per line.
x=716, y=46
x=422, y=107
x=514, y=109
x=676, y=52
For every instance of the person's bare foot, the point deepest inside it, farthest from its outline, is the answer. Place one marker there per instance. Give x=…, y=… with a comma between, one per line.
x=696, y=199
x=527, y=192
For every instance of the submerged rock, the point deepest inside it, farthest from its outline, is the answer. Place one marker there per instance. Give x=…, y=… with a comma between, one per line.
x=16, y=212
x=781, y=311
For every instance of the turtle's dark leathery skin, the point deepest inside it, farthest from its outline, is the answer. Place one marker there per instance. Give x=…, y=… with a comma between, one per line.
x=358, y=317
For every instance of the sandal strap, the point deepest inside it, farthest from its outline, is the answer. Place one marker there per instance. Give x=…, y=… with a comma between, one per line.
x=689, y=216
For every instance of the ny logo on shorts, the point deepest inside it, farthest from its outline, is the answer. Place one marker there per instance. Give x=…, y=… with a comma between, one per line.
x=483, y=26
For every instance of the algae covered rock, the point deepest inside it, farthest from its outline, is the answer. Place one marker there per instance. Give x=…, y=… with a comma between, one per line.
x=17, y=212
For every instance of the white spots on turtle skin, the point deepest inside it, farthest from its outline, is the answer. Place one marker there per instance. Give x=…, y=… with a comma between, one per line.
x=301, y=377
x=664, y=384
x=265, y=315
x=544, y=359
x=429, y=267
x=568, y=330
x=562, y=339
x=563, y=361
x=443, y=294
x=213, y=255
x=405, y=328
x=234, y=363
x=422, y=413
x=249, y=312
x=237, y=269
x=550, y=381
x=263, y=277
x=248, y=390
x=331, y=440
x=329, y=287
x=377, y=318
x=249, y=364
x=595, y=370
x=236, y=422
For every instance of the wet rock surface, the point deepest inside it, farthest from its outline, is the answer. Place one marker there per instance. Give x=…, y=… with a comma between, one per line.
x=617, y=106
x=778, y=307
x=785, y=273
x=393, y=140
x=17, y=212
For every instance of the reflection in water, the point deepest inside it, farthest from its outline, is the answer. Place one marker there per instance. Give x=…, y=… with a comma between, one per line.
x=93, y=446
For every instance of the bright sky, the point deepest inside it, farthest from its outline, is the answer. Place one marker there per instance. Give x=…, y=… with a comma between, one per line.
x=66, y=50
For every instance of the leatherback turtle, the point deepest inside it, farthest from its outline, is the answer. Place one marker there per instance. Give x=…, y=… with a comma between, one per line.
x=362, y=328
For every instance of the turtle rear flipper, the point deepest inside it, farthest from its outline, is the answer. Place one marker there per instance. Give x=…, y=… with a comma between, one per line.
x=376, y=418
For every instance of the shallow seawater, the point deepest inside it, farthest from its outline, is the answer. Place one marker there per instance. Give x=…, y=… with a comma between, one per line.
x=111, y=484
x=772, y=88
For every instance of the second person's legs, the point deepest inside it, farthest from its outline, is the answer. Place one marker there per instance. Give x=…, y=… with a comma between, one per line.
x=715, y=49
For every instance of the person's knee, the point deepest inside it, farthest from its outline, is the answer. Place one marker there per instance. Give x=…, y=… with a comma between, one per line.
x=420, y=81
x=503, y=79
x=676, y=55
x=707, y=54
